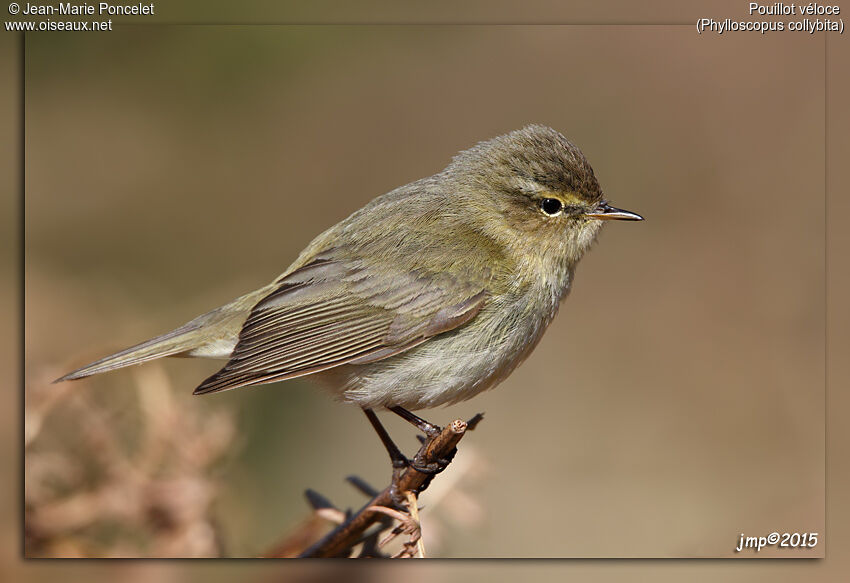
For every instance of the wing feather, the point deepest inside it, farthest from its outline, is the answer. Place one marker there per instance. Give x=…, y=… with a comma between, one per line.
x=337, y=310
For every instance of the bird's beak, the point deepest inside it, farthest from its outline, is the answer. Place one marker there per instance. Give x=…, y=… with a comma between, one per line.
x=605, y=212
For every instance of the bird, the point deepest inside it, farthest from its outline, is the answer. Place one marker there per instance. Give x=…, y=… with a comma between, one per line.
x=426, y=296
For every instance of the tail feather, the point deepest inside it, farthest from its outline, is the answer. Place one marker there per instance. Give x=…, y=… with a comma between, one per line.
x=175, y=342
x=210, y=335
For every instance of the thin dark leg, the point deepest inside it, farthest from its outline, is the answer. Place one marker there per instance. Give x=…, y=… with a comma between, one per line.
x=397, y=458
x=429, y=429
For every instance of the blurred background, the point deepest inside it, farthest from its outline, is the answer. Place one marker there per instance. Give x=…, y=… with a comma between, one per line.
x=171, y=169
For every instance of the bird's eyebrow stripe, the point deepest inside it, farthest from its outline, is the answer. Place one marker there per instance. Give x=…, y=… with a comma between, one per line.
x=569, y=199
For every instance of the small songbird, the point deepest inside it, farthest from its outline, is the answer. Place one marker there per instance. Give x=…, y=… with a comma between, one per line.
x=426, y=296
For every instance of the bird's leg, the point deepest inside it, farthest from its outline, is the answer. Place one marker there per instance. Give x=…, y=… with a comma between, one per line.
x=430, y=430
x=399, y=461
x=396, y=457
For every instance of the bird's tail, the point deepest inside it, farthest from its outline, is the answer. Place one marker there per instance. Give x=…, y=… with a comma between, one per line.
x=211, y=335
x=183, y=339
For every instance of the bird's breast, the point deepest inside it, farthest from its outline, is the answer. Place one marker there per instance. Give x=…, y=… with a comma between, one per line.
x=459, y=364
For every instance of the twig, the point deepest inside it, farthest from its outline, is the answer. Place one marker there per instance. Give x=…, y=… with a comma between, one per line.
x=414, y=514
x=435, y=453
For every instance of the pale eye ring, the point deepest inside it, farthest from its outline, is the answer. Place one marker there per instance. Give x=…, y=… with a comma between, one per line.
x=551, y=206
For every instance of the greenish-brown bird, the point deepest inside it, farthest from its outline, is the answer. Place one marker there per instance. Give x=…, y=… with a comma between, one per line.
x=426, y=296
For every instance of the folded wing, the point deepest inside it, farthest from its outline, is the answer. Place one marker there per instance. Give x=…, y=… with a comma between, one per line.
x=339, y=310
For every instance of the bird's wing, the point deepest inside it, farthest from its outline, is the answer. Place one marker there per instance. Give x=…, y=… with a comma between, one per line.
x=337, y=310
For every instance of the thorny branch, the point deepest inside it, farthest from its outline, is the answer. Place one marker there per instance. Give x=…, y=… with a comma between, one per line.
x=384, y=508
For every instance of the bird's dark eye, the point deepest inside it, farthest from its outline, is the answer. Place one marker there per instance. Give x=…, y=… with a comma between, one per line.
x=551, y=206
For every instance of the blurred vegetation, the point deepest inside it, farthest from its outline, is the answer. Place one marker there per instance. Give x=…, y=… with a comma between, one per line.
x=121, y=478
x=137, y=475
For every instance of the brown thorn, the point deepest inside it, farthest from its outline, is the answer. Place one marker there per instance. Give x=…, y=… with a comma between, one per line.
x=362, y=486
x=317, y=501
x=473, y=423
